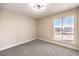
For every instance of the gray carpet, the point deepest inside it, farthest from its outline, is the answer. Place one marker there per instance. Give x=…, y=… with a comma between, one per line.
x=39, y=48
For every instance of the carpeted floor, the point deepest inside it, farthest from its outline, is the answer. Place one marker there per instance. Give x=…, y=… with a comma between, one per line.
x=38, y=48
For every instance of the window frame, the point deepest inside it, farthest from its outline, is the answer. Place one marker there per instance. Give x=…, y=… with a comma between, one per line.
x=75, y=27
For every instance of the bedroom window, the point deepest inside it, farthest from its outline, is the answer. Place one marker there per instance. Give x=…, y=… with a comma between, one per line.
x=64, y=29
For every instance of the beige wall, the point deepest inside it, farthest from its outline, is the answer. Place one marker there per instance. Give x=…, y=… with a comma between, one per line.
x=78, y=26
x=45, y=25
x=45, y=28
x=15, y=28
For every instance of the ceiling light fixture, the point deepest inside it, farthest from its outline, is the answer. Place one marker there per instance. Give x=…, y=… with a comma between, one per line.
x=38, y=7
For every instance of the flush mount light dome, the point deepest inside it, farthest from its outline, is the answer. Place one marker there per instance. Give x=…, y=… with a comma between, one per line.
x=38, y=7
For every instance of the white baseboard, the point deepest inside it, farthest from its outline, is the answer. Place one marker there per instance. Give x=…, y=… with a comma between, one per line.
x=60, y=44
x=1, y=49
x=57, y=43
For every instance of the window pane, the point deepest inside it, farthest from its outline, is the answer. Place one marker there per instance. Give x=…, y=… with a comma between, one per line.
x=68, y=21
x=57, y=29
x=57, y=23
x=68, y=29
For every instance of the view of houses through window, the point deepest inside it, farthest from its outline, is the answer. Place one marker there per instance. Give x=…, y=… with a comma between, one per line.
x=64, y=29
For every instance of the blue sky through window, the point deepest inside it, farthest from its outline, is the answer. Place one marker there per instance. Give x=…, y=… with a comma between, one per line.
x=57, y=22
x=67, y=22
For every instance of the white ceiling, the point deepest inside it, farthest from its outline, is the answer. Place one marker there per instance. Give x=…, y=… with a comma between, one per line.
x=51, y=8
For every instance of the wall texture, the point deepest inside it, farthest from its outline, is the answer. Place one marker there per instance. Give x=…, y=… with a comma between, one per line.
x=15, y=28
